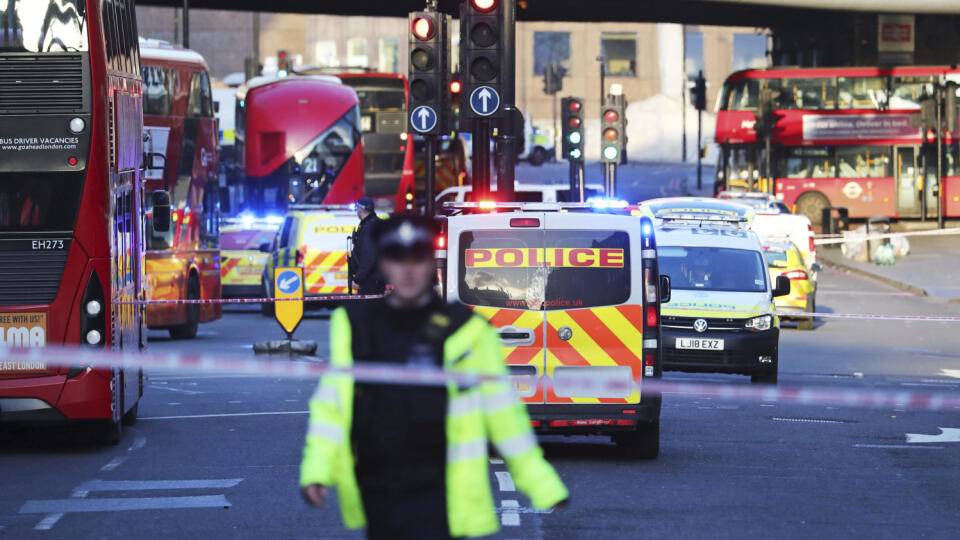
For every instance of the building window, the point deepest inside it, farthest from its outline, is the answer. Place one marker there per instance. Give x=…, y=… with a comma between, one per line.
x=692, y=54
x=619, y=53
x=357, y=52
x=389, y=56
x=749, y=51
x=550, y=47
x=326, y=52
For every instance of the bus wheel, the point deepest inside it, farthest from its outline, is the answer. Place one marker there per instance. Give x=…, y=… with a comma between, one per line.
x=189, y=330
x=644, y=443
x=538, y=156
x=811, y=204
x=130, y=417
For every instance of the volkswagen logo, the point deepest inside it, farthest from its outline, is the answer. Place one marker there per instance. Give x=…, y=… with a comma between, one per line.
x=700, y=325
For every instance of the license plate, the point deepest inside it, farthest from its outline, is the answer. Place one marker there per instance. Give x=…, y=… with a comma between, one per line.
x=23, y=330
x=700, y=344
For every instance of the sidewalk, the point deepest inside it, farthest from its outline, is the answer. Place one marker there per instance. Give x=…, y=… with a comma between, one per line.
x=931, y=269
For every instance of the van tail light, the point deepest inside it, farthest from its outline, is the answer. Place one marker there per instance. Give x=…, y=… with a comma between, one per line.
x=301, y=256
x=525, y=222
x=651, y=315
x=93, y=319
x=441, y=242
x=651, y=301
x=796, y=275
x=813, y=245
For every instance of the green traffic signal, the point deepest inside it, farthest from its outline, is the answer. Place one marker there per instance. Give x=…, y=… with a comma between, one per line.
x=575, y=137
x=611, y=152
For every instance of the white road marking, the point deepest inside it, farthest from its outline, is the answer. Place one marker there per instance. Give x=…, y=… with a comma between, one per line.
x=898, y=446
x=234, y=402
x=122, y=504
x=821, y=290
x=930, y=384
x=114, y=463
x=946, y=435
x=48, y=522
x=144, y=485
x=496, y=461
x=138, y=443
x=510, y=517
x=175, y=403
x=955, y=373
x=505, y=481
x=172, y=389
x=291, y=400
x=808, y=420
x=923, y=351
x=224, y=415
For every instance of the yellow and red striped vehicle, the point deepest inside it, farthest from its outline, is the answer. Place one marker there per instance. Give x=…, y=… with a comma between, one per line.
x=243, y=255
x=575, y=297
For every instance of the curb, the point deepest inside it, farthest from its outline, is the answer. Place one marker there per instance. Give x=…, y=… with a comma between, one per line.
x=877, y=277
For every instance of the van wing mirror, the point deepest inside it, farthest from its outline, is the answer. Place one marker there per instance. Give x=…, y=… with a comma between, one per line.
x=161, y=211
x=154, y=162
x=664, y=288
x=265, y=247
x=816, y=267
x=782, y=287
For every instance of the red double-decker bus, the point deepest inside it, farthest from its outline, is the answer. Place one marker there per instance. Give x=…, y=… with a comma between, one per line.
x=842, y=137
x=71, y=235
x=299, y=142
x=184, y=262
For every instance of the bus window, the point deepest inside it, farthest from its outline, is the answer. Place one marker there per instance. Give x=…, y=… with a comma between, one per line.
x=740, y=163
x=810, y=94
x=158, y=89
x=861, y=93
x=907, y=92
x=743, y=95
x=43, y=26
x=863, y=162
x=200, y=103
x=809, y=163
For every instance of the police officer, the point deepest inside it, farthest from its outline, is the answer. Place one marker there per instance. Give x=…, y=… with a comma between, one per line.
x=367, y=278
x=410, y=462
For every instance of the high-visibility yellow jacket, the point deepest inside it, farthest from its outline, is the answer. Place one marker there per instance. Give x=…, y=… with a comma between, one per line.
x=487, y=412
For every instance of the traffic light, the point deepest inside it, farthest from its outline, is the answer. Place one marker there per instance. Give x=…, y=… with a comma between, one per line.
x=429, y=72
x=613, y=128
x=481, y=58
x=698, y=93
x=765, y=114
x=572, y=128
x=283, y=64
x=553, y=78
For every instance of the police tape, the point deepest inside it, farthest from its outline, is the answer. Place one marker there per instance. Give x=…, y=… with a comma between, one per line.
x=813, y=314
x=603, y=382
x=213, y=301
x=822, y=240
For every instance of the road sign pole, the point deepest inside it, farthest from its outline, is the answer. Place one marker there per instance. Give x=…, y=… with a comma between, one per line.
x=481, y=158
x=699, y=149
x=941, y=95
x=574, y=177
x=431, y=173
x=581, y=181
x=508, y=125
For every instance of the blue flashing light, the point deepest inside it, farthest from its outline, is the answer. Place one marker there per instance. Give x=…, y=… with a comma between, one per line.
x=274, y=219
x=602, y=203
x=646, y=229
x=247, y=220
x=353, y=207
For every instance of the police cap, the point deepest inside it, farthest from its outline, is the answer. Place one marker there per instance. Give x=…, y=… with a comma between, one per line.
x=406, y=238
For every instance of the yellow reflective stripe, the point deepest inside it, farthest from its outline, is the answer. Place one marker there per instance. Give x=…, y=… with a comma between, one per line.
x=515, y=446
x=464, y=451
x=463, y=404
x=325, y=430
x=326, y=394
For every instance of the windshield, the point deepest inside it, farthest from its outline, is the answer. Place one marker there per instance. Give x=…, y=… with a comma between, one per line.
x=39, y=201
x=247, y=239
x=713, y=269
x=775, y=259
x=544, y=270
x=42, y=26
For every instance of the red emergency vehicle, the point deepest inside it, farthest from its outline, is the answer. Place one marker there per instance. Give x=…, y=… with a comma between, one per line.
x=842, y=137
x=71, y=232
x=184, y=262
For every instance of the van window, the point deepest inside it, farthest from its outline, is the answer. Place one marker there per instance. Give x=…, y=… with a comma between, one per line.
x=713, y=269
x=550, y=270
x=289, y=229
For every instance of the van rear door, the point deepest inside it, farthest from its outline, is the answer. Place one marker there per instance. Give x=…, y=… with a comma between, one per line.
x=324, y=247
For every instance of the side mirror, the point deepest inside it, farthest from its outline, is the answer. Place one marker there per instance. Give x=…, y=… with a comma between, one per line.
x=216, y=106
x=816, y=267
x=265, y=247
x=664, y=288
x=161, y=211
x=154, y=162
x=782, y=287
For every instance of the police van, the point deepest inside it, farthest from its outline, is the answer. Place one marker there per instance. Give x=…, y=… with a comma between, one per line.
x=575, y=296
x=315, y=237
x=721, y=315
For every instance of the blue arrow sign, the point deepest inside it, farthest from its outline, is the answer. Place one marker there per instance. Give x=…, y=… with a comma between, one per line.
x=424, y=119
x=485, y=101
x=288, y=282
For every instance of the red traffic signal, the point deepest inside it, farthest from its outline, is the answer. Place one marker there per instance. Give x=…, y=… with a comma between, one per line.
x=575, y=105
x=484, y=6
x=455, y=87
x=611, y=116
x=423, y=28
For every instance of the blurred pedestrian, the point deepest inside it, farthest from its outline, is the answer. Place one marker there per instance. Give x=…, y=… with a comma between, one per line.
x=367, y=277
x=410, y=462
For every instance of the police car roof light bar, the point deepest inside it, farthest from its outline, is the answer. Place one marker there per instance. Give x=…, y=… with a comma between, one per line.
x=696, y=216
x=323, y=207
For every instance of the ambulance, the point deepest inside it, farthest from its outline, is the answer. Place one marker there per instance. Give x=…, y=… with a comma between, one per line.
x=721, y=315
x=242, y=257
x=574, y=295
x=317, y=238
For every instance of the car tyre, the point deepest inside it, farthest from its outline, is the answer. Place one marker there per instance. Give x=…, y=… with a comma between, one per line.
x=769, y=377
x=266, y=308
x=806, y=323
x=644, y=443
x=189, y=329
x=538, y=156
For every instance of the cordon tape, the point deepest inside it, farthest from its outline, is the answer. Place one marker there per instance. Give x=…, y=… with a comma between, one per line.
x=828, y=239
x=422, y=376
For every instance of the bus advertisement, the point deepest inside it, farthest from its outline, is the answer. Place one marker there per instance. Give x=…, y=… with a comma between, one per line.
x=71, y=215
x=184, y=262
x=298, y=140
x=843, y=137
